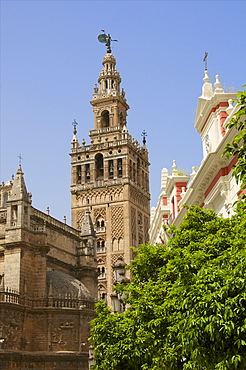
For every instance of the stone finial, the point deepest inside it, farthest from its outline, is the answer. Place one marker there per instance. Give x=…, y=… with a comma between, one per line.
x=183, y=191
x=217, y=85
x=174, y=169
x=87, y=228
x=74, y=141
x=95, y=89
x=193, y=173
x=18, y=191
x=206, y=78
x=207, y=88
x=164, y=176
x=230, y=107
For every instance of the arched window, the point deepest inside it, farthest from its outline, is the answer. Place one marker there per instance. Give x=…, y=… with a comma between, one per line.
x=101, y=246
x=102, y=293
x=111, y=169
x=99, y=166
x=100, y=225
x=105, y=119
x=101, y=273
x=78, y=174
x=115, y=245
x=120, y=242
x=87, y=172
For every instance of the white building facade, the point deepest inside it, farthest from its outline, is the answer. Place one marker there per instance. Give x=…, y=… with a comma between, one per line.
x=211, y=185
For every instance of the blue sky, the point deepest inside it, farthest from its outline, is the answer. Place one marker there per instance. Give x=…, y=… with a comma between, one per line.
x=51, y=59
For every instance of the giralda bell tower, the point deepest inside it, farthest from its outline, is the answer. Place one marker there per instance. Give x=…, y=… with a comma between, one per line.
x=110, y=178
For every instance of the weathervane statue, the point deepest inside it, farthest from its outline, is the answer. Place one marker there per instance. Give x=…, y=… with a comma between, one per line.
x=106, y=39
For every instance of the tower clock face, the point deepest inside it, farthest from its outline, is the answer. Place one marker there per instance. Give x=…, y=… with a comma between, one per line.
x=207, y=144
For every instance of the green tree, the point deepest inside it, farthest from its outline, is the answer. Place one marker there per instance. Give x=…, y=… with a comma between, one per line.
x=238, y=145
x=186, y=303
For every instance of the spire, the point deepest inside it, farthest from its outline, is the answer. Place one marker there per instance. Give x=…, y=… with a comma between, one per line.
x=109, y=102
x=87, y=228
x=74, y=141
x=18, y=205
x=109, y=79
x=18, y=191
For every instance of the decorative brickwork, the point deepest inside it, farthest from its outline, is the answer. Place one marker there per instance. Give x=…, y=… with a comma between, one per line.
x=115, y=257
x=133, y=225
x=97, y=196
x=140, y=238
x=140, y=221
x=80, y=217
x=138, y=198
x=99, y=212
x=146, y=229
x=117, y=222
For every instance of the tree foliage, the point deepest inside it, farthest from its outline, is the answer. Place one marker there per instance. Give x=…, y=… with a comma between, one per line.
x=238, y=145
x=186, y=303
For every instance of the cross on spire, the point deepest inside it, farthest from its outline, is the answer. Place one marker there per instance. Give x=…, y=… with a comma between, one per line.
x=205, y=61
x=144, y=134
x=74, y=123
x=20, y=158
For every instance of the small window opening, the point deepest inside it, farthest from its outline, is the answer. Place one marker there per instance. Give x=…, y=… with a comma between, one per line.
x=105, y=119
x=119, y=167
x=99, y=166
x=87, y=172
x=78, y=174
x=110, y=169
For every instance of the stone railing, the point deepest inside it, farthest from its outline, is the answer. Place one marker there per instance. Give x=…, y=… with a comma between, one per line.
x=101, y=250
x=63, y=302
x=9, y=295
x=48, y=220
x=100, y=229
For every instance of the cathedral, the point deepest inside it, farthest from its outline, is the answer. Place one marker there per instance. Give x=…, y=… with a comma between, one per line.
x=51, y=274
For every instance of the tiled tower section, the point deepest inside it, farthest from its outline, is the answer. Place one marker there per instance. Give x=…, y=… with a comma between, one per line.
x=110, y=177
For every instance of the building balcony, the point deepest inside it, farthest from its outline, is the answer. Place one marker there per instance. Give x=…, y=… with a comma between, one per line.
x=101, y=250
x=100, y=229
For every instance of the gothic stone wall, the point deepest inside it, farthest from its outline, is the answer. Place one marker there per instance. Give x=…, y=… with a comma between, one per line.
x=43, y=329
